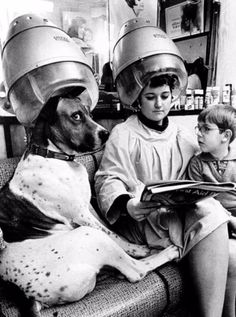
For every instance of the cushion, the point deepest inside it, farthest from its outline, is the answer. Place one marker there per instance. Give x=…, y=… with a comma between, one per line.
x=7, y=168
x=115, y=297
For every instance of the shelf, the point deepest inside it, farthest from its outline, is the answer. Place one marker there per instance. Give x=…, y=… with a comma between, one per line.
x=106, y=113
x=185, y=112
x=197, y=35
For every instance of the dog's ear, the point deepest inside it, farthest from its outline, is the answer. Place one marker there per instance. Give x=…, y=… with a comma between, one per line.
x=47, y=116
x=48, y=113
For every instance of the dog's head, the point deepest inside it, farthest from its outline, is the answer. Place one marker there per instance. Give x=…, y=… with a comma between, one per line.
x=66, y=121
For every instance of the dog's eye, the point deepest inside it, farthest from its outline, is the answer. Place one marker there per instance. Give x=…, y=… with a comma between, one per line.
x=76, y=116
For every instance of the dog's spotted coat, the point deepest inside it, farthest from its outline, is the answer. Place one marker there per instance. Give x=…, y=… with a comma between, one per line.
x=56, y=246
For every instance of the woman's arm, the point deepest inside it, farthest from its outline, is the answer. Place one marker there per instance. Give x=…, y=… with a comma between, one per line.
x=116, y=174
x=117, y=187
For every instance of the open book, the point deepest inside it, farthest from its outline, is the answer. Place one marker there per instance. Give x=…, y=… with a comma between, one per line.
x=183, y=192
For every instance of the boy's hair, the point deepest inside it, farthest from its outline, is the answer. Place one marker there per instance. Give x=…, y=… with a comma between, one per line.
x=224, y=116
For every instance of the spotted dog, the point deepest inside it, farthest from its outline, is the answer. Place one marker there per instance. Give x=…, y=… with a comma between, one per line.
x=55, y=245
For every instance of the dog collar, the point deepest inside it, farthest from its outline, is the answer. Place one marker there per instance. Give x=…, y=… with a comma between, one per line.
x=37, y=150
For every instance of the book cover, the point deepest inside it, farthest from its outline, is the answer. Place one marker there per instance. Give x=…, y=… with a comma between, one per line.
x=183, y=192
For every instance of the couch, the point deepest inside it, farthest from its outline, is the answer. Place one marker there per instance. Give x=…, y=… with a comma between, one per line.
x=161, y=293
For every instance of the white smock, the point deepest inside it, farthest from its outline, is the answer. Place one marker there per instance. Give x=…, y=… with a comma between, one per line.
x=136, y=155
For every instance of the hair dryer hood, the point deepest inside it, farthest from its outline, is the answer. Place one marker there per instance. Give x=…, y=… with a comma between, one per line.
x=141, y=52
x=41, y=61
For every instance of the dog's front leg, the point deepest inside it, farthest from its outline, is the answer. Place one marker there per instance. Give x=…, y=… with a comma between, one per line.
x=135, y=270
x=135, y=250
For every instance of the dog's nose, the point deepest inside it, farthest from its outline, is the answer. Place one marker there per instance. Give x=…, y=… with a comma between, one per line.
x=103, y=135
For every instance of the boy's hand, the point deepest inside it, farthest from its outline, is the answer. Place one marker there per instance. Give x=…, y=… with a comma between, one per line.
x=141, y=210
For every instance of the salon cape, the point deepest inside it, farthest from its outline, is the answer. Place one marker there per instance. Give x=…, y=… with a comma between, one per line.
x=136, y=155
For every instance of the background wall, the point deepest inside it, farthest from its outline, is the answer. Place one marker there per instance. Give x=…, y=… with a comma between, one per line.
x=226, y=62
x=62, y=13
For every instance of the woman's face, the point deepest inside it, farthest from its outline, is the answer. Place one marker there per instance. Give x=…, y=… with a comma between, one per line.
x=156, y=102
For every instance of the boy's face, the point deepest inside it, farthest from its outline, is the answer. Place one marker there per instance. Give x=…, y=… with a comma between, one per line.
x=156, y=102
x=210, y=138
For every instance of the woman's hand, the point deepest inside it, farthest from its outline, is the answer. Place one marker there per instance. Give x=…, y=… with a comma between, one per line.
x=141, y=210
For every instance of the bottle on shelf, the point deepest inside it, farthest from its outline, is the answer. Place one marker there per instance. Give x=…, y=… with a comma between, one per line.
x=198, y=99
x=182, y=101
x=215, y=95
x=233, y=98
x=208, y=97
x=189, y=103
x=226, y=94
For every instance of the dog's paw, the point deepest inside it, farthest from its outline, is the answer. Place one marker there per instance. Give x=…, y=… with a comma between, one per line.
x=138, y=251
x=172, y=252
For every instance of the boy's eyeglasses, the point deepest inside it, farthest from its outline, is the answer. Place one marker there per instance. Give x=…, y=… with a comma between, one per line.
x=205, y=129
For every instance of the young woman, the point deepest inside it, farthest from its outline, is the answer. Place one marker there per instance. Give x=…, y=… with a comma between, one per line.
x=149, y=147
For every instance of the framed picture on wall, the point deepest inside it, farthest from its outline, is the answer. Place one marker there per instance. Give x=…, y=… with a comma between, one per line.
x=123, y=10
x=88, y=28
x=75, y=25
x=185, y=19
x=79, y=27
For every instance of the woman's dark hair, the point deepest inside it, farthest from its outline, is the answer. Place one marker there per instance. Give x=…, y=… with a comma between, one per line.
x=157, y=81
x=161, y=80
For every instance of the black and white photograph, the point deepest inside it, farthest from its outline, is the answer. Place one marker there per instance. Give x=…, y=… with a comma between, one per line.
x=117, y=158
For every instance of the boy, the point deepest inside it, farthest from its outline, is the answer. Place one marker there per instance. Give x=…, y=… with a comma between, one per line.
x=216, y=131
